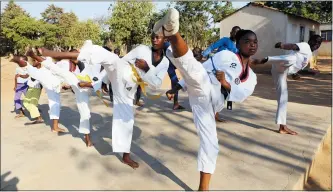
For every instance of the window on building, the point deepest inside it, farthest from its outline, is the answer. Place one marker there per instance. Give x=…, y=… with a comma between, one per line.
x=326, y=35
x=301, y=34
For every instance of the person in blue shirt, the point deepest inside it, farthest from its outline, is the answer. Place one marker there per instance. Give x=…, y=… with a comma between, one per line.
x=226, y=43
x=174, y=79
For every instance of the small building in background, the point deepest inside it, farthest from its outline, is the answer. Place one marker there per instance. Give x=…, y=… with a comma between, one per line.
x=326, y=46
x=271, y=26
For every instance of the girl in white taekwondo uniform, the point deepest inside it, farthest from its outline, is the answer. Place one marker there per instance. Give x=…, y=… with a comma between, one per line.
x=233, y=74
x=285, y=65
x=143, y=65
x=81, y=94
x=52, y=85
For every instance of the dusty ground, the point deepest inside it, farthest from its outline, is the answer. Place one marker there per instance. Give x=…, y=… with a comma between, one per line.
x=300, y=92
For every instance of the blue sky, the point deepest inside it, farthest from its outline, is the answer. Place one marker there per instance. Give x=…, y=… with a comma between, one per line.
x=84, y=9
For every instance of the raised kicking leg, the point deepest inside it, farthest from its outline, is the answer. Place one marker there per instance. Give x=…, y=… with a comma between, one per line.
x=198, y=81
x=81, y=95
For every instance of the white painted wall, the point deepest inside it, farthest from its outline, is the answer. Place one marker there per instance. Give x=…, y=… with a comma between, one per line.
x=326, y=47
x=293, y=35
x=270, y=27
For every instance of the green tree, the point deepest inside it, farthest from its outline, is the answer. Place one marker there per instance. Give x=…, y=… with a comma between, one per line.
x=102, y=22
x=320, y=11
x=129, y=22
x=82, y=31
x=66, y=22
x=11, y=11
x=24, y=31
x=221, y=10
x=52, y=14
x=197, y=19
x=49, y=34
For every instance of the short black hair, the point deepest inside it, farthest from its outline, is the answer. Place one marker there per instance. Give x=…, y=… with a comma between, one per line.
x=235, y=27
x=241, y=33
x=316, y=38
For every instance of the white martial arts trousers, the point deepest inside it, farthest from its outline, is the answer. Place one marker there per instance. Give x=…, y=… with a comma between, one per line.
x=120, y=75
x=123, y=89
x=81, y=95
x=54, y=103
x=199, y=89
x=280, y=69
x=52, y=86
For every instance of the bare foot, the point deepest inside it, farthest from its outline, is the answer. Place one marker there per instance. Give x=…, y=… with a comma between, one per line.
x=296, y=76
x=203, y=188
x=218, y=119
x=19, y=116
x=178, y=107
x=87, y=140
x=284, y=130
x=221, y=120
x=56, y=130
x=29, y=52
x=38, y=121
x=127, y=160
x=139, y=103
x=42, y=51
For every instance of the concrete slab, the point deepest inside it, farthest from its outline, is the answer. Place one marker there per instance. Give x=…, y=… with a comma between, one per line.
x=252, y=155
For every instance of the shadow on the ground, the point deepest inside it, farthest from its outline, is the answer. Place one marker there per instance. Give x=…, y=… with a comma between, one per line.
x=230, y=141
x=7, y=183
x=245, y=117
x=101, y=124
x=313, y=185
x=311, y=90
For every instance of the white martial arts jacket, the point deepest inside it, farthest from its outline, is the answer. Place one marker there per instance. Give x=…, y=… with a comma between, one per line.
x=303, y=57
x=93, y=72
x=96, y=75
x=231, y=65
x=34, y=84
x=96, y=55
x=21, y=71
x=45, y=77
x=65, y=64
x=155, y=75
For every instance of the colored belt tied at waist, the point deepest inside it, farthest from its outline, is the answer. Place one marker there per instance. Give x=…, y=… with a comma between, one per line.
x=138, y=80
x=87, y=79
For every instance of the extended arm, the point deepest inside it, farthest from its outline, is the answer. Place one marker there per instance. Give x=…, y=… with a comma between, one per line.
x=287, y=46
